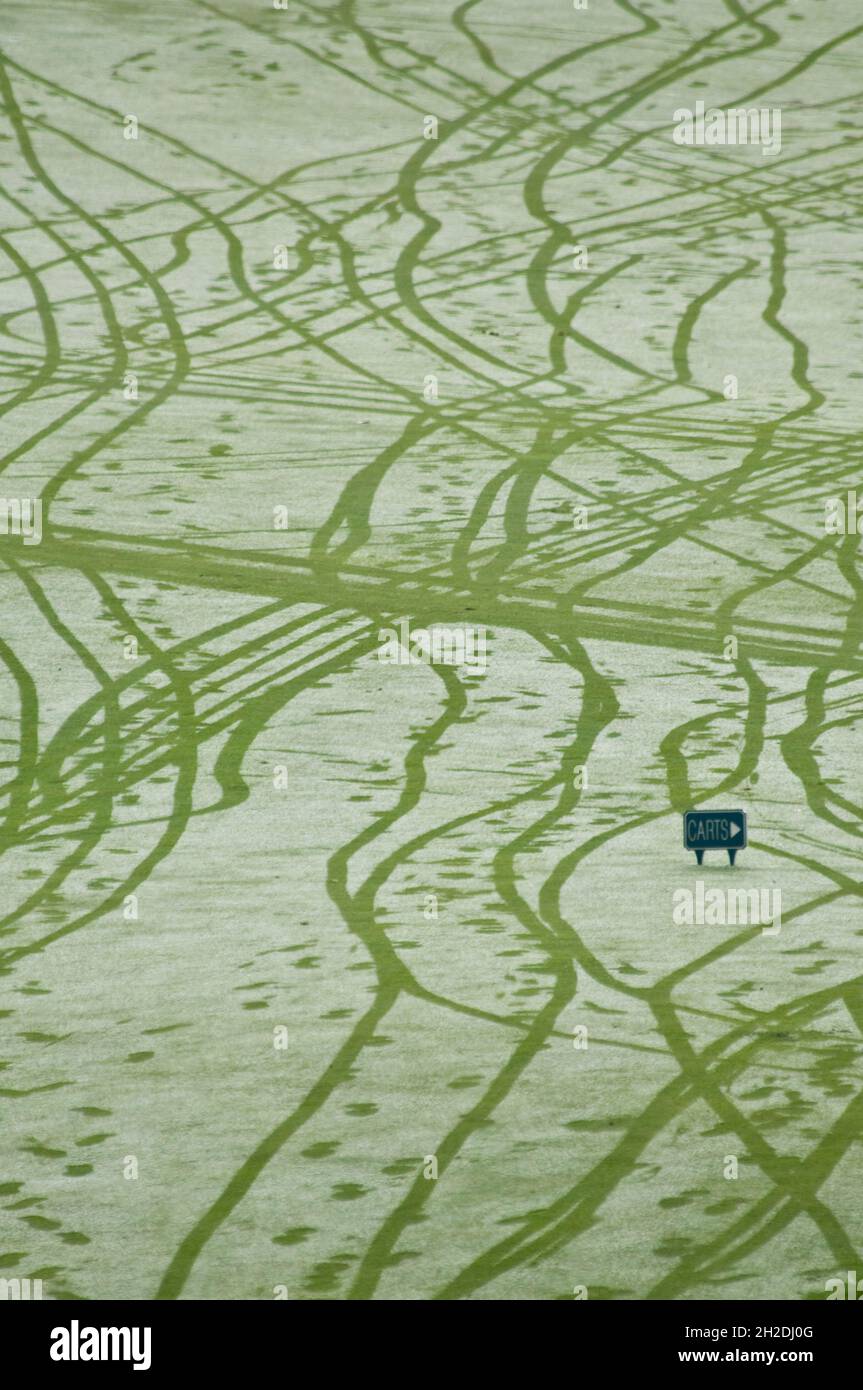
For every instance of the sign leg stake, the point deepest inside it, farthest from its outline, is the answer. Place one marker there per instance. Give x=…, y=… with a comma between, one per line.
x=699, y=856
x=732, y=855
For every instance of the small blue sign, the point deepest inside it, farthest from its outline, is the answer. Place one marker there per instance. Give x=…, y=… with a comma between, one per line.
x=714, y=830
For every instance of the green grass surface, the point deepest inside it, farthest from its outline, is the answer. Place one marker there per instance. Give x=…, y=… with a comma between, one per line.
x=224, y=817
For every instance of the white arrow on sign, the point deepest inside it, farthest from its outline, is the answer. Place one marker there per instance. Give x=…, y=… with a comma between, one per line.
x=737, y=830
